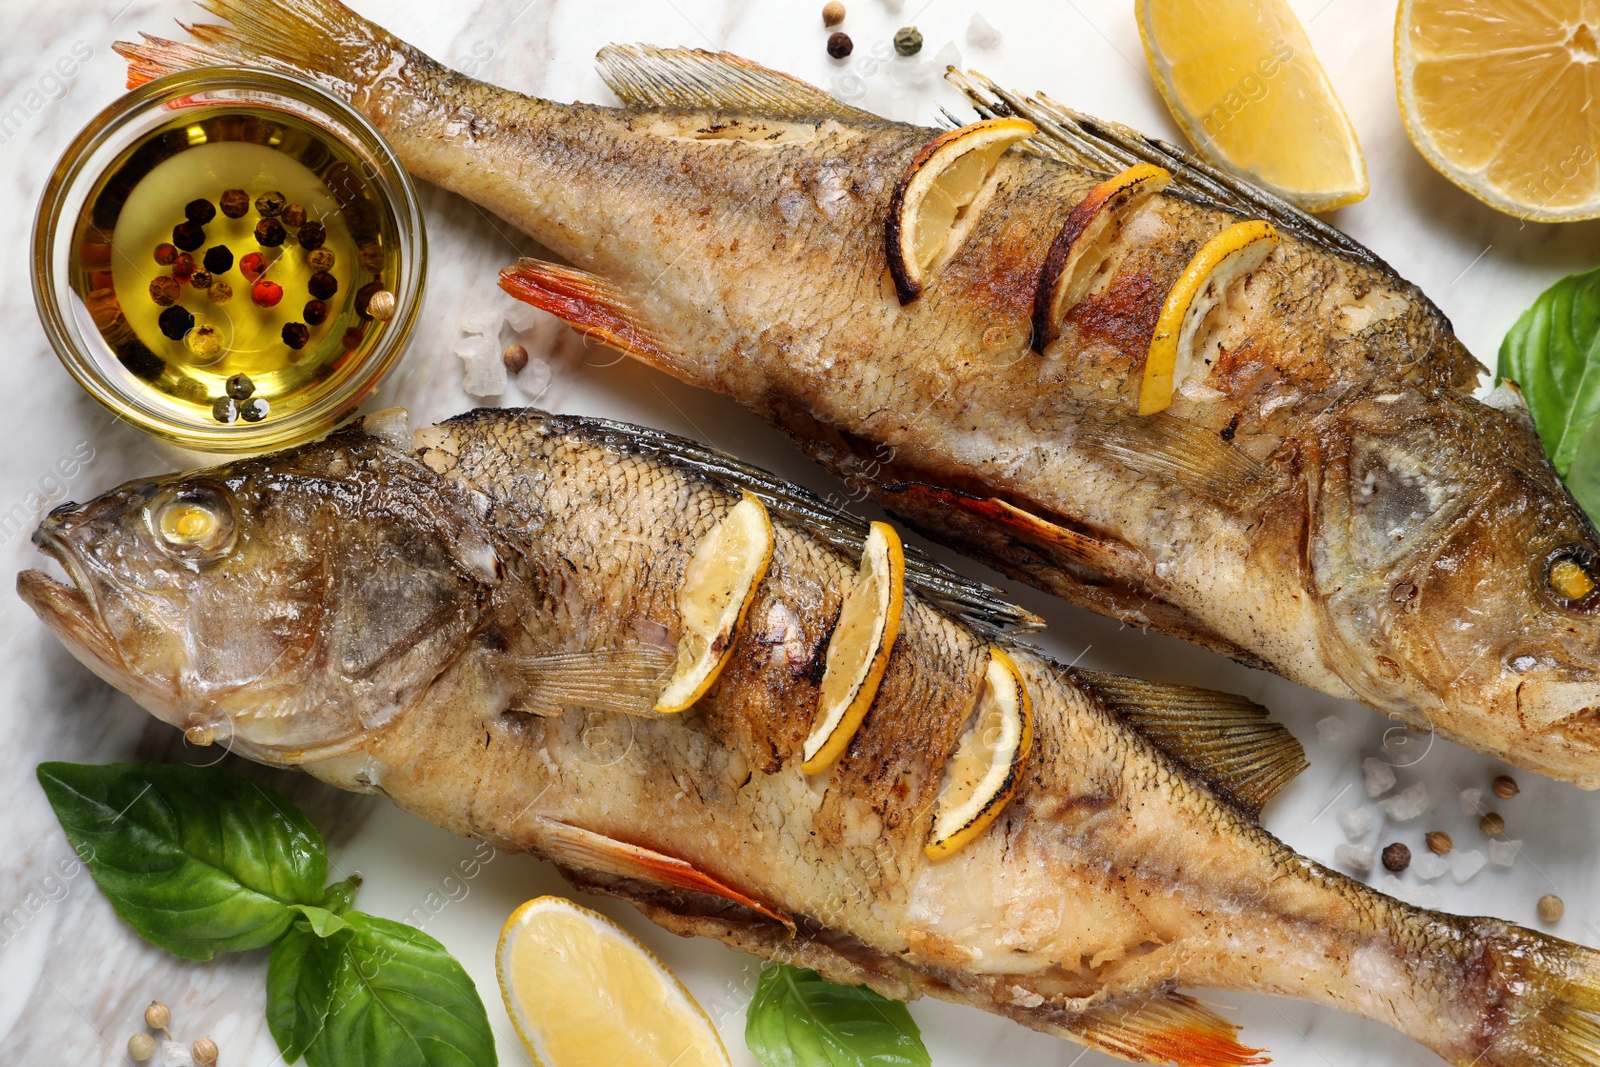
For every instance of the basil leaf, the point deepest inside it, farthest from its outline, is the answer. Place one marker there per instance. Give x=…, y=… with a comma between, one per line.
x=320, y=921
x=341, y=895
x=300, y=988
x=1553, y=353
x=401, y=1000
x=799, y=1020
x=195, y=859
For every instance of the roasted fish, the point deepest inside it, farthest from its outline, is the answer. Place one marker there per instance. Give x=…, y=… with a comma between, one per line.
x=1320, y=496
x=470, y=627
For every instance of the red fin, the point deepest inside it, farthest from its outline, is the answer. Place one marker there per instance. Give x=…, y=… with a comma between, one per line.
x=1168, y=1028
x=576, y=847
x=587, y=302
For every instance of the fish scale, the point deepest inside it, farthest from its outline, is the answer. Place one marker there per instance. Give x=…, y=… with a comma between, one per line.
x=1127, y=863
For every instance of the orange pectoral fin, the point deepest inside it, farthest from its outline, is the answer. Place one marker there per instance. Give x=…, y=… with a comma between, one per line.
x=576, y=847
x=1171, y=1028
x=588, y=303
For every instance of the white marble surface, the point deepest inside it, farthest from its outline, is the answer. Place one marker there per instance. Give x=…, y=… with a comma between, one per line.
x=73, y=980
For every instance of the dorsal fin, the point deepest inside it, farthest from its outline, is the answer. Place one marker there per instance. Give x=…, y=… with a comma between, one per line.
x=979, y=605
x=694, y=79
x=1230, y=741
x=1108, y=147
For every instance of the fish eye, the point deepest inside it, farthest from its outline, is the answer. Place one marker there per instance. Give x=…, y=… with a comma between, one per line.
x=194, y=521
x=1571, y=576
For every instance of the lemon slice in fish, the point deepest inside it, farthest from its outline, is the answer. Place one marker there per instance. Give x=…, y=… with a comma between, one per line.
x=926, y=221
x=984, y=770
x=718, y=585
x=858, y=651
x=1243, y=83
x=1229, y=255
x=583, y=993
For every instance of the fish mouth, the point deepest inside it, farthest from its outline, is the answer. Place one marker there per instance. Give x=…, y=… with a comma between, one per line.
x=68, y=608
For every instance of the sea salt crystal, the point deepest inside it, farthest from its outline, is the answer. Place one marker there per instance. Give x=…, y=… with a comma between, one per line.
x=485, y=371
x=535, y=378
x=1356, y=857
x=522, y=317
x=1425, y=896
x=980, y=34
x=1391, y=885
x=1503, y=853
x=912, y=73
x=174, y=1054
x=949, y=56
x=1407, y=804
x=1471, y=801
x=482, y=320
x=1331, y=731
x=1463, y=865
x=1428, y=866
x=1356, y=822
x=1379, y=776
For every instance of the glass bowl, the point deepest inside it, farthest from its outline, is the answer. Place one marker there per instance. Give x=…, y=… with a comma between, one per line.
x=100, y=329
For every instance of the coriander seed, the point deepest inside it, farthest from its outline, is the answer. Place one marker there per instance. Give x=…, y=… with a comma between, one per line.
x=1505, y=787
x=270, y=204
x=840, y=45
x=381, y=306
x=312, y=234
x=239, y=386
x=234, y=203
x=188, y=235
x=832, y=13
x=1551, y=908
x=294, y=216
x=907, y=41
x=270, y=233
x=1396, y=857
x=515, y=357
x=164, y=290
x=1493, y=824
x=156, y=1016
x=218, y=259
x=1439, y=842
x=204, y=1052
x=200, y=211
x=141, y=1047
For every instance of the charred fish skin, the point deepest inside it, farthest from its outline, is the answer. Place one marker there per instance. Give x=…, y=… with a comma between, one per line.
x=727, y=225
x=514, y=546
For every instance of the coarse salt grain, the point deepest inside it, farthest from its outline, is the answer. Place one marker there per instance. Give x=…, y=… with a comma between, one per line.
x=1465, y=864
x=1407, y=804
x=980, y=34
x=1356, y=822
x=1428, y=866
x=1471, y=801
x=1377, y=775
x=1356, y=857
x=485, y=371
x=1331, y=730
x=1503, y=853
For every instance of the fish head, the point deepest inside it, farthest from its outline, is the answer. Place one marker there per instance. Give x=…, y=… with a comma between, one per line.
x=283, y=605
x=1461, y=577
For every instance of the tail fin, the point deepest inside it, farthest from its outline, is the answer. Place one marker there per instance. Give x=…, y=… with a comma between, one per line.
x=318, y=40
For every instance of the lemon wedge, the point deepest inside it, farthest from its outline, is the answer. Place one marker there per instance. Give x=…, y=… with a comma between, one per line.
x=718, y=585
x=1499, y=96
x=928, y=216
x=1084, y=241
x=583, y=993
x=1229, y=255
x=858, y=651
x=984, y=770
x=1241, y=80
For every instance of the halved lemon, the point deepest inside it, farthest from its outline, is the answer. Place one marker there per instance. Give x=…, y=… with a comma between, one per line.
x=1229, y=255
x=1085, y=240
x=987, y=764
x=1241, y=80
x=718, y=585
x=583, y=993
x=858, y=651
x=928, y=216
x=1499, y=96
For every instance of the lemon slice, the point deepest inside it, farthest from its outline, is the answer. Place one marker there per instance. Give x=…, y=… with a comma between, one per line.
x=858, y=651
x=926, y=220
x=718, y=585
x=1499, y=96
x=1084, y=241
x=1242, y=81
x=582, y=993
x=983, y=772
x=1229, y=255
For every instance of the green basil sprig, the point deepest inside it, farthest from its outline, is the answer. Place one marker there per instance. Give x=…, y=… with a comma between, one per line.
x=201, y=861
x=1553, y=354
x=799, y=1020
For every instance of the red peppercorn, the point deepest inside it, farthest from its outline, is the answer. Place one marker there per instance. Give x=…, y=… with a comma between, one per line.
x=252, y=265
x=166, y=254
x=183, y=267
x=266, y=293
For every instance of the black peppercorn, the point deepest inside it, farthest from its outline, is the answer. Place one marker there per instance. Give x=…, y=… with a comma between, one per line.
x=188, y=236
x=270, y=204
x=364, y=297
x=235, y=202
x=219, y=259
x=175, y=322
x=239, y=386
x=295, y=334
x=165, y=254
x=270, y=233
x=322, y=285
x=315, y=312
x=201, y=211
x=312, y=234
x=224, y=410
x=164, y=290
x=840, y=45
x=255, y=409
x=1396, y=857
